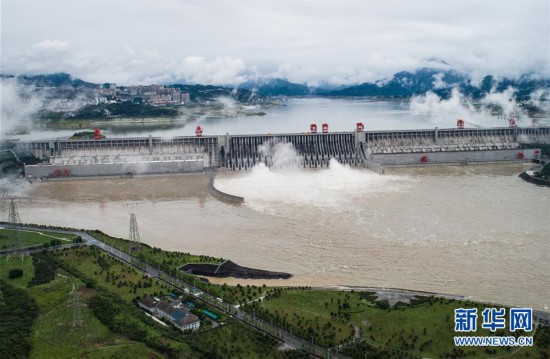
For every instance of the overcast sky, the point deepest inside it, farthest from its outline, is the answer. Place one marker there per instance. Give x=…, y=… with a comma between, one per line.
x=228, y=42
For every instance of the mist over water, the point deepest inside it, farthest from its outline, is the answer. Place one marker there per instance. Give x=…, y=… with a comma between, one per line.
x=18, y=105
x=474, y=114
x=421, y=112
x=284, y=183
x=334, y=188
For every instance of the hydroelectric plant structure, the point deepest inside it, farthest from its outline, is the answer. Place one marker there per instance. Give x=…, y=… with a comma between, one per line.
x=61, y=158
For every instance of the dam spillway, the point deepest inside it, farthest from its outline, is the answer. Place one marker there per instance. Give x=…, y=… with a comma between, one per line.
x=313, y=150
x=371, y=149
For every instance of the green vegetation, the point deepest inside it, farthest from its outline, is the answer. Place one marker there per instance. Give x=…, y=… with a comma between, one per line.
x=15, y=273
x=81, y=302
x=33, y=238
x=424, y=328
x=87, y=309
x=545, y=172
x=307, y=314
x=170, y=262
x=111, y=110
x=44, y=270
x=98, y=268
x=237, y=341
x=166, y=260
x=84, y=135
x=67, y=328
x=17, y=312
x=25, y=264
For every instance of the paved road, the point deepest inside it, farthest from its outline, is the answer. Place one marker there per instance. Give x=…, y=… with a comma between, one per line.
x=239, y=314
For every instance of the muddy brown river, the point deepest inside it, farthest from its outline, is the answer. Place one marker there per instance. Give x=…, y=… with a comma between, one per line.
x=477, y=230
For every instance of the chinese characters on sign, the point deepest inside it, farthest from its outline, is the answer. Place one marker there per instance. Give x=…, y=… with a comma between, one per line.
x=493, y=319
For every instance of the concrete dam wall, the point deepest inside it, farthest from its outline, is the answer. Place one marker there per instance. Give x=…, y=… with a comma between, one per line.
x=371, y=149
x=121, y=157
x=313, y=150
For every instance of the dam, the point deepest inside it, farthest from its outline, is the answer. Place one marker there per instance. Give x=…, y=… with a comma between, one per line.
x=371, y=149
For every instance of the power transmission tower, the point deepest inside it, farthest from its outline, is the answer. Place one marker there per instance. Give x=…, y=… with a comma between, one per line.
x=135, y=241
x=15, y=221
x=77, y=315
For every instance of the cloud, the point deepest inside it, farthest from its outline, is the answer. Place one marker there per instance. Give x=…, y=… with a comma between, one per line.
x=50, y=46
x=438, y=82
x=18, y=104
x=222, y=70
x=505, y=99
x=339, y=42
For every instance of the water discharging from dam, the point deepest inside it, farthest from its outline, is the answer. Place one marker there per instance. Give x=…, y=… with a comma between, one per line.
x=280, y=191
x=437, y=227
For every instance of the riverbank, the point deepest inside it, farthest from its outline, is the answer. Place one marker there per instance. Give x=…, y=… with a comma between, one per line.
x=530, y=176
x=338, y=220
x=351, y=311
x=233, y=270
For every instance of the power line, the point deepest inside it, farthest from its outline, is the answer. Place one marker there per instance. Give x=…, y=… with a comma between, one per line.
x=15, y=240
x=135, y=241
x=77, y=314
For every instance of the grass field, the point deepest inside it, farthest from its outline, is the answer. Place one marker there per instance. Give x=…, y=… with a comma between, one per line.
x=66, y=328
x=237, y=341
x=112, y=274
x=31, y=238
x=426, y=330
x=164, y=259
x=16, y=262
x=69, y=325
x=55, y=334
x=307, y=315
x=171, y=261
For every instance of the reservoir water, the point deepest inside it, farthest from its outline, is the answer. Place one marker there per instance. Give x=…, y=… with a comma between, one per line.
x=475, y=230
x=299, y=113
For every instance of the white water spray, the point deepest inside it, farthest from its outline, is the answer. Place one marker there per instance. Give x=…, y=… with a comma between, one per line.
x=274, y=190
x=280, y=155
x=444, y=111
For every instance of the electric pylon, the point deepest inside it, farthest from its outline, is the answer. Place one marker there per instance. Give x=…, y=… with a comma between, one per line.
x=135, y=241
x=15, y=221
x=77, y=314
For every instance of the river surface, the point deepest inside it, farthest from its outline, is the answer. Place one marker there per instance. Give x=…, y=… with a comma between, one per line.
x=477, y=230
x=298, y=113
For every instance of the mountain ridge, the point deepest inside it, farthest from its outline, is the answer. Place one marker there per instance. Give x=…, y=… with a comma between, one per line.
x=403, y=84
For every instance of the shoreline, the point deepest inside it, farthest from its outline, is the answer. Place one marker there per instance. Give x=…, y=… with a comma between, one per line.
x=391, y=291
x=302, y=277
x=527, y=177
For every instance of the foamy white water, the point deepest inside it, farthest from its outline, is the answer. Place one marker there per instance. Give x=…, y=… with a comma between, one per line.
x=333, y=189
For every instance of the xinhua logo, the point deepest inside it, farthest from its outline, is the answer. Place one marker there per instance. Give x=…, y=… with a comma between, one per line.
x=493, y=319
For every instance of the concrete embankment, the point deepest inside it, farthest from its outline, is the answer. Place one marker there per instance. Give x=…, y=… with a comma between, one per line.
x=230, y=269
x=404, y=159
x=529, y=177
x=222, y=195
x=113, y=169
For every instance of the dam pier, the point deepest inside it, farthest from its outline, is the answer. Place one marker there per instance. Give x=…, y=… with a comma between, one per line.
x=371, y=149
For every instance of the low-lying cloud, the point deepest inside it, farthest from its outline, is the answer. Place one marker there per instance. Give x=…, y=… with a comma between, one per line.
x=19, y=104
x=473, y=113
x=219, y=42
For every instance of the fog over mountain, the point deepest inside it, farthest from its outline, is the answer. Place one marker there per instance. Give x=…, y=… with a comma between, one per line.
x=318, y=43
